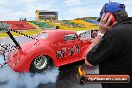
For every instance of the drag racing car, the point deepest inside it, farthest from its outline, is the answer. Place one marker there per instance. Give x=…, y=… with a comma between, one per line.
x=50, y=48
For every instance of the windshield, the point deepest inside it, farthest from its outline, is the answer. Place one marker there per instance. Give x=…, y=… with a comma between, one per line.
x=42, y=35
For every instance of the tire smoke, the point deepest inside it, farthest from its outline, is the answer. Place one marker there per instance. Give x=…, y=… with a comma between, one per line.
x=11, y=79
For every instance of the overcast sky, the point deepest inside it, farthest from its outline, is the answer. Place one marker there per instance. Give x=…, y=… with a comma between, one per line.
x=68, y=9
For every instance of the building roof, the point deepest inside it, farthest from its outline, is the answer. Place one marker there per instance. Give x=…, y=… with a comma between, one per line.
x=45, y=11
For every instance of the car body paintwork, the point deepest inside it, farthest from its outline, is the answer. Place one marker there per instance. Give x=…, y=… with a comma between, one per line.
x=55, y=46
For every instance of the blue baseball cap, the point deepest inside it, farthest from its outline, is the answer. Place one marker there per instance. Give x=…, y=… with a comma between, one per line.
x=111, y=7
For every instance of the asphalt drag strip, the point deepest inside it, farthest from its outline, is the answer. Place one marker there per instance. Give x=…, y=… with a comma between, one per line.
x=67, y=79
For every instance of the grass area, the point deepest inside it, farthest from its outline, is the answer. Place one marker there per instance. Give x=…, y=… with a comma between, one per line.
x=42, y=25
x=94, y=27
x=28, y=32
x=72, y=24
x=88, y=26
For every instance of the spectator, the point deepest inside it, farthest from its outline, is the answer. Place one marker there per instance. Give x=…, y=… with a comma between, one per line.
x=112, y=48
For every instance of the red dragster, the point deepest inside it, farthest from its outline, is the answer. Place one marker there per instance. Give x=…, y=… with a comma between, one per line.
x=53, y=48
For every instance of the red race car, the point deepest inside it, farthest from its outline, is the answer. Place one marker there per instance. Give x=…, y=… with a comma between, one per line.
x=53, y=48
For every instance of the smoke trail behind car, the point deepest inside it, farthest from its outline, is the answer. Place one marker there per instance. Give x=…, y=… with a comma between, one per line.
x=11, y=79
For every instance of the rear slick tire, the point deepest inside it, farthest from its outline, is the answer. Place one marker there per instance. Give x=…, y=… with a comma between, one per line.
x=40, y=64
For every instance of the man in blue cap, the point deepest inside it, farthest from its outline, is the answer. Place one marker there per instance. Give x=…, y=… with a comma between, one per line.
x=112, y=48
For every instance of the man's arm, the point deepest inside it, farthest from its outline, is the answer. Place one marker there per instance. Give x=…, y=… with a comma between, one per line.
x=94, y=42
x=103, y=28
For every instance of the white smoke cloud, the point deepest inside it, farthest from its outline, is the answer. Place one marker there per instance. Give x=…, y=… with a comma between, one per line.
x=11, y=79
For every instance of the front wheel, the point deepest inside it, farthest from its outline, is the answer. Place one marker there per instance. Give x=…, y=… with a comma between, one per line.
x=40, y=64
